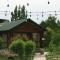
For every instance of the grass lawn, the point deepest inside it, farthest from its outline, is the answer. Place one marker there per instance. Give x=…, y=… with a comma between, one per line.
x=53, y=57
x=6, y=58
x=3, y=58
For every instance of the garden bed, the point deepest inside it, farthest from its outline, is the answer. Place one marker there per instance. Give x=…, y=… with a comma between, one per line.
x=53, y=56
x=6, y=54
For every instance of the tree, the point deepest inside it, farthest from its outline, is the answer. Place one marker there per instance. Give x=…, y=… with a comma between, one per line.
x=54, y=45
x=15, y=13
x=25, y=49
x=51, y=26
x=50, y=22
x=58, y=23
x=12, y=18
x=47, y=37
x=23, y=12
x=19, y=13
x=43, y=24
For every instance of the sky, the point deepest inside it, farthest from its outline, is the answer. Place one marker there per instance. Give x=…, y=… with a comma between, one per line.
x=34, y=6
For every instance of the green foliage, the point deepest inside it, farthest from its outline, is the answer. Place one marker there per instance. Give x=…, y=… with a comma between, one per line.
x=52, y=37
x=29, y=50
x=15, y=13
x=43, y=24
x=19, y=13
x=52, y=56
x=18, y=47
x=12, y=18
x=23, y=12
x=47, y=36
x=25, y=49
x=56, y=39
x=52, y=27
x=54, y=45
x=50, y=22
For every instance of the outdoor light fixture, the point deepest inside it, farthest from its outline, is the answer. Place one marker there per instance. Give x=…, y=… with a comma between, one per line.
x=7, y=5
x=55, y=13
x=48, y=2
x=43, y=38
x=6, y=10
x=42, y=14
x=27, y=4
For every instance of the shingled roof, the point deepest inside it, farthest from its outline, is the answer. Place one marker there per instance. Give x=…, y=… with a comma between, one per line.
x=9, y=25
x=6, y=25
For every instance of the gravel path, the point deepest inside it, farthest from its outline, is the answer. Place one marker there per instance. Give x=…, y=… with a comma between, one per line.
x=38, y=56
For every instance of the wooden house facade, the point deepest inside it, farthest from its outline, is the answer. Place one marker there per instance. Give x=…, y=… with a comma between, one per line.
x=22, y=28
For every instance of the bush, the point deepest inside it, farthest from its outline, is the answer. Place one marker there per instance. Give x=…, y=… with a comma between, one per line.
x=25, y=49
x=18, y=47
x=29, y=50
x=55, y=43
x=52, y=56
x=54, y=48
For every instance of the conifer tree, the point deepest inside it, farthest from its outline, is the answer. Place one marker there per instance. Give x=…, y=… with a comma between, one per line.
x=19, y=13
x=15, y=13
x=12, y=16
x=23, y=12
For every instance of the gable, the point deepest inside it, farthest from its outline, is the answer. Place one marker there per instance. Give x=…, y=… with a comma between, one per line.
x=21, y=26
x=28, y=26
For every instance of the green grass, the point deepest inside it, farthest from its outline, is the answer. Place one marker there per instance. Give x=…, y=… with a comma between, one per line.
x=53, y=56
x=3, y=58
x=6, y=58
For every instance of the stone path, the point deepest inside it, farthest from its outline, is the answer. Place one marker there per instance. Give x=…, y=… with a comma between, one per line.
x=38, y=56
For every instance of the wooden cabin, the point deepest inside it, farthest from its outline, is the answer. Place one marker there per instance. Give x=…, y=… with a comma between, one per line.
x=22, y=28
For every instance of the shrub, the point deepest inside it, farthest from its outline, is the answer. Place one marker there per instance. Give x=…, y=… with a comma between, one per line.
x=55, y=43
x=18, y=47
x=29, y=50
x=25, y=49
x=54, y=48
